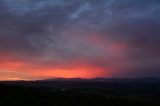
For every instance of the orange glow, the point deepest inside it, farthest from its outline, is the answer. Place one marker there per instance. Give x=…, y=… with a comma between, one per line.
x=81, y=72
x=11, y=65
x=10, y=78
x=19, y=70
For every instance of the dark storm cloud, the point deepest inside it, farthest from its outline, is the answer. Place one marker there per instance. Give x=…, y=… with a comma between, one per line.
x=47, y=30
x=20, y=23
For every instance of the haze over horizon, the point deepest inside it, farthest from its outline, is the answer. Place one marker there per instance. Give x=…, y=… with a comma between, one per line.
x=42, y=39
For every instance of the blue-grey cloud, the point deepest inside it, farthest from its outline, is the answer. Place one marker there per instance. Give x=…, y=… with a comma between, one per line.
x=61, y=31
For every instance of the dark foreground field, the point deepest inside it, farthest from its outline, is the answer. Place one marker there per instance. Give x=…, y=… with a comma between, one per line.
x=80, y=93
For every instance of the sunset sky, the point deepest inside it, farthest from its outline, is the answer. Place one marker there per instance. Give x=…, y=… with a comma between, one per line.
x=41, y=39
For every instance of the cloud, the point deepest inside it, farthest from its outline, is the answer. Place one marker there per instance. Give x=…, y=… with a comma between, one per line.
x=110, y=34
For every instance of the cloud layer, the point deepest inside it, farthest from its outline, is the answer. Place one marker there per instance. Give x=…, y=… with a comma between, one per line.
x=87, y=38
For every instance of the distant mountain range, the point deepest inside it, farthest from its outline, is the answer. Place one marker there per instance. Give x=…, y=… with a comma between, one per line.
x=147, y=79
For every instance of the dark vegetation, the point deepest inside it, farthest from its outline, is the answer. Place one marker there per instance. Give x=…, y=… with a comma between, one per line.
x=80, y=93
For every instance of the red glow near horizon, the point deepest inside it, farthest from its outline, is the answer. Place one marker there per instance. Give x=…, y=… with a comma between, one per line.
x=76, y=72
x=19, y=71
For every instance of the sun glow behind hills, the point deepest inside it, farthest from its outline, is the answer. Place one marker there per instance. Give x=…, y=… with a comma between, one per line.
x=17, y=70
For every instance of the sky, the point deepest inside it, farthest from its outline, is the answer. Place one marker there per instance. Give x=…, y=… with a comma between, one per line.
x=41, y=39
